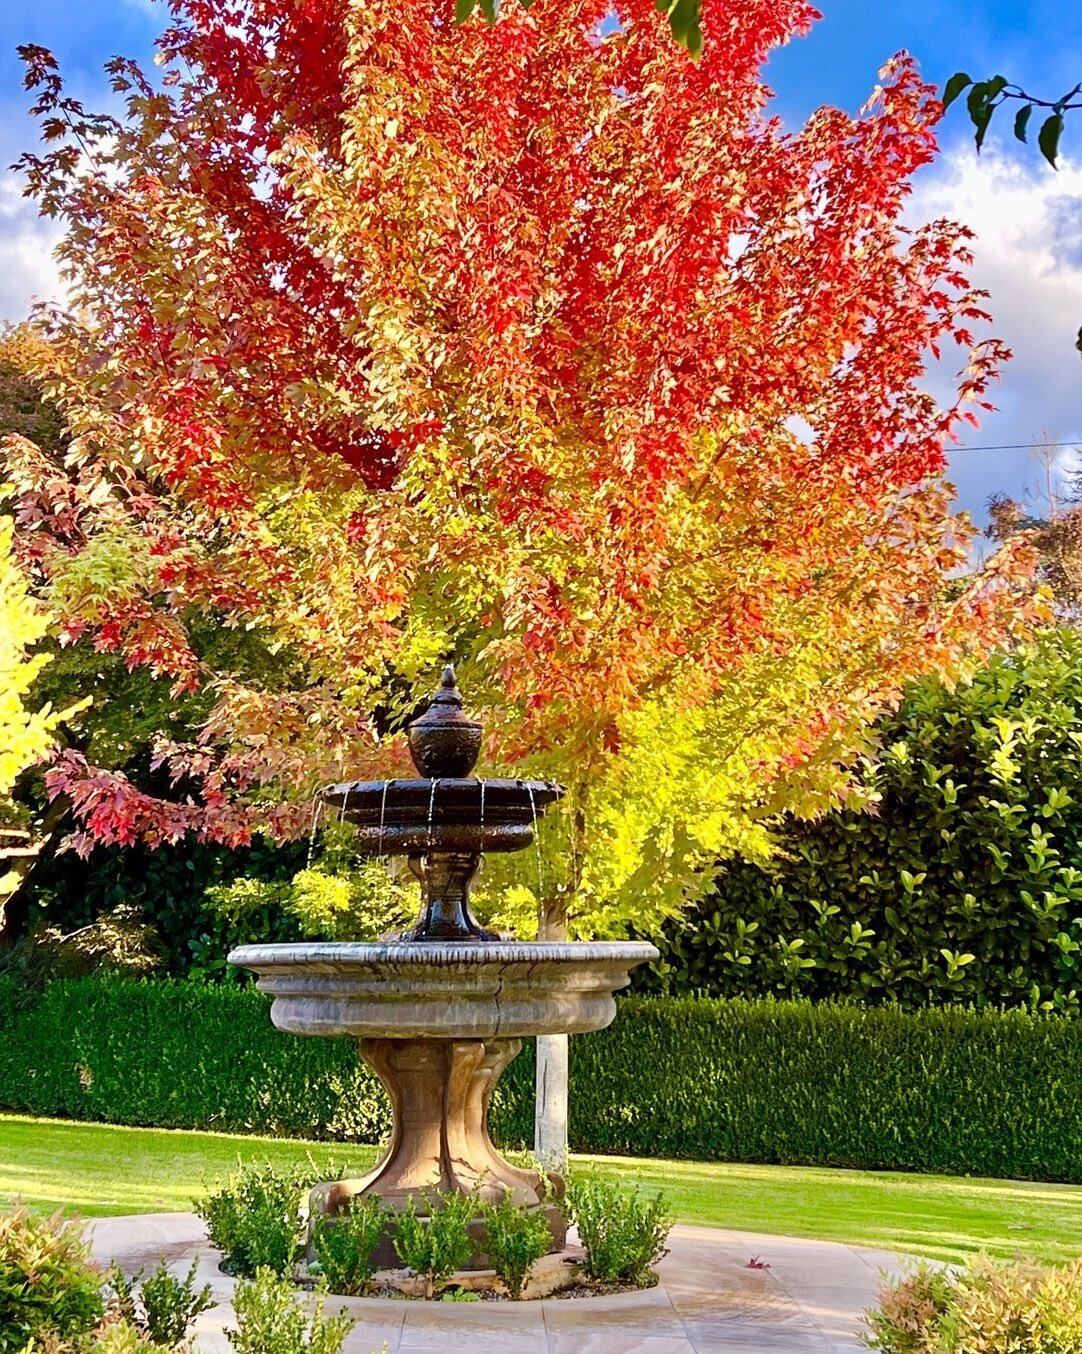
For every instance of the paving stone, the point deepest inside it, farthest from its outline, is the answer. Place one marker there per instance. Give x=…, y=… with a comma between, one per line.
x=621, y=1340
x=809, y=1301
x=517, y=1328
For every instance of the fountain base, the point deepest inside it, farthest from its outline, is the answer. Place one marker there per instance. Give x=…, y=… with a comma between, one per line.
x=440, y=1092
x=439, y=1022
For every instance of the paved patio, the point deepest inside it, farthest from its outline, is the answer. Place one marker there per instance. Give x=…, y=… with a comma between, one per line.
x=809, y=1301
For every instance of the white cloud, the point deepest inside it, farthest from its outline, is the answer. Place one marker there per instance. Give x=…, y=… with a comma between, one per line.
x=27, y=269
x=1028, y=222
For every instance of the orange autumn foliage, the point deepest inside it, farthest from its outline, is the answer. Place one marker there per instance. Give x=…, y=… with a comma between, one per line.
x=537, y=345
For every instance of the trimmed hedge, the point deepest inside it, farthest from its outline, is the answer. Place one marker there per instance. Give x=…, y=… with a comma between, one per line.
x=954, y=1090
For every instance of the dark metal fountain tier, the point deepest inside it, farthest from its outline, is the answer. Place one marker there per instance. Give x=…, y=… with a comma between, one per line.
x=445, y=820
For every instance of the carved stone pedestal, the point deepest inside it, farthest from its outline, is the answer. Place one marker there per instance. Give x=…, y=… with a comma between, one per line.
x=440, y=1092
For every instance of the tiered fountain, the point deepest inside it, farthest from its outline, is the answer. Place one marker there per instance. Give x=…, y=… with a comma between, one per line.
x=441, y=1009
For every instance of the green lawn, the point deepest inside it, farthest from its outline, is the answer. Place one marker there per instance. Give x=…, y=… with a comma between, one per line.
x=98, y=1169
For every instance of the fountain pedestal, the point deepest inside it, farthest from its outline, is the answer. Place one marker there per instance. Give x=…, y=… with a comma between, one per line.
x=440, y=1091
x=439, y=1022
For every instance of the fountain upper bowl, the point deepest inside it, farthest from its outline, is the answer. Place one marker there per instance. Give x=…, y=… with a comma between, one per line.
x=399, y=817
x=443, y=989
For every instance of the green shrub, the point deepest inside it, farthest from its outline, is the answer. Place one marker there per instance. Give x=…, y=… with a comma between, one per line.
x=119, y=941
x=171, y=1305
x=991, y=1308
x=971, y=1092
x=437, y=1245
x=48, y=1285
x=122, y=1337
x=270, y=1320
x=963, y=886
x=515, y=1239
x=345, y=1244
x=953, y=1090
x=622, y=1233
x=255, y=1219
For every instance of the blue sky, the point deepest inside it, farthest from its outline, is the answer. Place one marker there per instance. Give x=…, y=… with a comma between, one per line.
x=1028, y=218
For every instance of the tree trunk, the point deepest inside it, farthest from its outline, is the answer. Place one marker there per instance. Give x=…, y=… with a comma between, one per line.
x=550, y=1110
x=18, y=861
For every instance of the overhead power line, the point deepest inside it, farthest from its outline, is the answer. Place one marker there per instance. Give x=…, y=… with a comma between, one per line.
x=1018, y=446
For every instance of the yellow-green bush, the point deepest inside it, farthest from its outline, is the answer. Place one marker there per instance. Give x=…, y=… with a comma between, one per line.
x=990, y=1308
x=48, y=1286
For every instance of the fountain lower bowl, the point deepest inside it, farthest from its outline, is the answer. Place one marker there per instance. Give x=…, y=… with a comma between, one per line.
x=443, y=990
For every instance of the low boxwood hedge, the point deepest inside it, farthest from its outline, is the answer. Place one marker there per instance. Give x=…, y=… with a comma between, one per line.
x=960, y=1091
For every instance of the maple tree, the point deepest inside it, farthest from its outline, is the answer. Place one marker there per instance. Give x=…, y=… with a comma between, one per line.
x=530, y=345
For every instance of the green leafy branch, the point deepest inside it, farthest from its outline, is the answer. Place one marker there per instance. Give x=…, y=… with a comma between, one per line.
x=985, y=96
x=684, y=16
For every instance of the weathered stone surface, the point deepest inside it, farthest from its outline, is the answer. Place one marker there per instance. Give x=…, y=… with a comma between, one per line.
x=440, y=1091
x=443, y=990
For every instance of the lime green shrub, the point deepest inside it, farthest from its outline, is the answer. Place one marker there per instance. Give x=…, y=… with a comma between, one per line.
x=990, y=1308
x=116, y=1337
x=340, y=896
x=622, y=1233
x=963, y=886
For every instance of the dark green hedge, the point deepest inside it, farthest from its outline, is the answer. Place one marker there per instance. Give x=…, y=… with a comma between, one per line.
x=953, y=1090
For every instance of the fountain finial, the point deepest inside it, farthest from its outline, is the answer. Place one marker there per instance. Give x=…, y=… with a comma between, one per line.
x=444, y=742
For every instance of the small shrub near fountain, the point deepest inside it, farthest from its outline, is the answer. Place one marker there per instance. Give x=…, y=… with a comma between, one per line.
x=437, y=1245
x=270, y=1320
x=622, y=1233
x=165, y=1307
x=255, y=1219
x=257, y=1213
x=990, y=1308
x=515, y=1239
x=344, y=1246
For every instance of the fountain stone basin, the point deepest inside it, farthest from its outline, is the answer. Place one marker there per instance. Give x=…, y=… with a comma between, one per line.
x=443, y=989
x=438, y=1022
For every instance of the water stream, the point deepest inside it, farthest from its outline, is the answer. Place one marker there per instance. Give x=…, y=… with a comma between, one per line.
x=382, y=816
x=536, y=842
x=431, y=810
x=317, y=810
